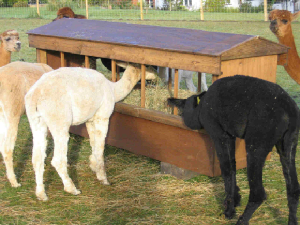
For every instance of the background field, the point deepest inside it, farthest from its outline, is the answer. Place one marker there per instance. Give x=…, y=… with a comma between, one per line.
x=139, y=194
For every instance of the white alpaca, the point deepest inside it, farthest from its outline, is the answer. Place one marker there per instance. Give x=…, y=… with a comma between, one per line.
x=187, y=76
x=73, y=96
x=9, y=43
x=15, y=78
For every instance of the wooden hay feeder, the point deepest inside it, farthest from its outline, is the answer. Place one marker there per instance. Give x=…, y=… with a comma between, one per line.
x=69, y=42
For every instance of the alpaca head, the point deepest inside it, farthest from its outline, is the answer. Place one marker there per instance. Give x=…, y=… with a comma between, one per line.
x=280, y=22
x=10, y=41
x=190, y=108
x=136, y=69
x=67, y=12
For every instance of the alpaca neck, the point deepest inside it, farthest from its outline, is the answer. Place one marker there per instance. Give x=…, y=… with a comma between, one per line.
x=5, y=56
x=293, y=64
x=124, y=86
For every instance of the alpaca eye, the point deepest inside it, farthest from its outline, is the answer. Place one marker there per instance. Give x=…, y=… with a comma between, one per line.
x=284, y=21
x=8, y=39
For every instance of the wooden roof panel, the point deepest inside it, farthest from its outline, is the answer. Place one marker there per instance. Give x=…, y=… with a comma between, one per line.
x=166, y=38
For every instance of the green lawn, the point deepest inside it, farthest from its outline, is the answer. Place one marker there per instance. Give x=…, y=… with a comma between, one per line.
x=139, y=194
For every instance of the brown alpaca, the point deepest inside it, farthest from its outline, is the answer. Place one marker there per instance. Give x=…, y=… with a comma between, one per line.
x=9, y=43
x=281, y=26
x=67, y=12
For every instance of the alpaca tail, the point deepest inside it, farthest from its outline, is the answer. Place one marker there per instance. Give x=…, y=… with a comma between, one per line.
x=31, y=100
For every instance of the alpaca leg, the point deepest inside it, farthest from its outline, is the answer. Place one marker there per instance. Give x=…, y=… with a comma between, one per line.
x=39, y=133
x=188, y=76
x=8, y=136
x=225, y=148
x=287, y=152
x=59, y=161
x=97, y=157
x=203, y=82
x=256, y=157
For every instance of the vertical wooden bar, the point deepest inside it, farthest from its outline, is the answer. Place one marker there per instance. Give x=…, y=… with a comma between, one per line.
x=87, y=62
x=214, y=77
x=201, y=10
x=170, y=79
x=87, y=9
x=118, y=73
x=199, y=81
x=176, y=89
x=141, y=8
x=113, y=71
x=143, y=86
x=62, y=59
x=266, y=10
x=41, y=56
x=38, y=7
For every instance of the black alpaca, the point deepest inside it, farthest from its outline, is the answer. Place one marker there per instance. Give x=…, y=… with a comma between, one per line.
x=265, y=116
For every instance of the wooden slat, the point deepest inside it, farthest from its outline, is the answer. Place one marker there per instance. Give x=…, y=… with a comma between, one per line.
x=176, y=89
x=62, y=59
x=87, y=62
x=143, y=86
x=163, y=58
x=199, y=82
x=41, y=56
x=170, y=79
x=118, y=73
x=113, y=71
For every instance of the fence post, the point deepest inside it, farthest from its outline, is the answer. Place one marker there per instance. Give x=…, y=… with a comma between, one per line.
x=266, y=10
x=38, y=7
x=201, y=10
x=87, y=8
x=141, y=8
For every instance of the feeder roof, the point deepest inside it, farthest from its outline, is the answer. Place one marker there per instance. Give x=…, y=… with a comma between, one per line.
x=198, y=42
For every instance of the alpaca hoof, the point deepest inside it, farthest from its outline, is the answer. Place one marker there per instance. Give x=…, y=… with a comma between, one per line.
x=105, y=182
x=16, y=184
x=229, y=214
x=241, y=222
x=41, y=196
x=72, y=191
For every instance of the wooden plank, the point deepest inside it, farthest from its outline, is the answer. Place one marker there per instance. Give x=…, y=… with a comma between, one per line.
x=62, y=59
x=163, y=58
x=176, y=87
x=41, y=56
x=118, y=73
x=170, y=79
x=199, y=82
x=113, y=71
x=263, y=67
x=143, y=85
x=86, y=62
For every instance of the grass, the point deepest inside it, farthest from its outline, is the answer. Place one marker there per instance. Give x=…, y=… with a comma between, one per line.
x=139, y=194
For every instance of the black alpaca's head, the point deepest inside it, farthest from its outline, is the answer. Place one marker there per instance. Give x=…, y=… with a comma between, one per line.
x=190, y=108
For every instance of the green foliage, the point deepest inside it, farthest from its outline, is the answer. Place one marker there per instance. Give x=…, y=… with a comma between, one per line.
x=214, y=5
x=21, y=3
x=54, y=5
x=8, y=3
x=248, y=8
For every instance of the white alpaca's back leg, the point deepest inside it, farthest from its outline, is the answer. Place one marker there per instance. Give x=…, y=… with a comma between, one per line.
x=61, y=136
x=97, y=129
x=203, y=82
x=8, y=136
x=39, y=133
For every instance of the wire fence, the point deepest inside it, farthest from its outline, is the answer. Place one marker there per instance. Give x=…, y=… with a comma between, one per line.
x=223, y=10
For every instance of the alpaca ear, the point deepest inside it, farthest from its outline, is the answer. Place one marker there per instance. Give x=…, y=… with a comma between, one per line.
x=179, y=103
x=295, y=15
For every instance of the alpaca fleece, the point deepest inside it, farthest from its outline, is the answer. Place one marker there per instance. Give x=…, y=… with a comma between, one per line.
x=265, y=116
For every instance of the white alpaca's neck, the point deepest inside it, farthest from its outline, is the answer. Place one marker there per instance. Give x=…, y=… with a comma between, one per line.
x=124, y=86
x=5, y=56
